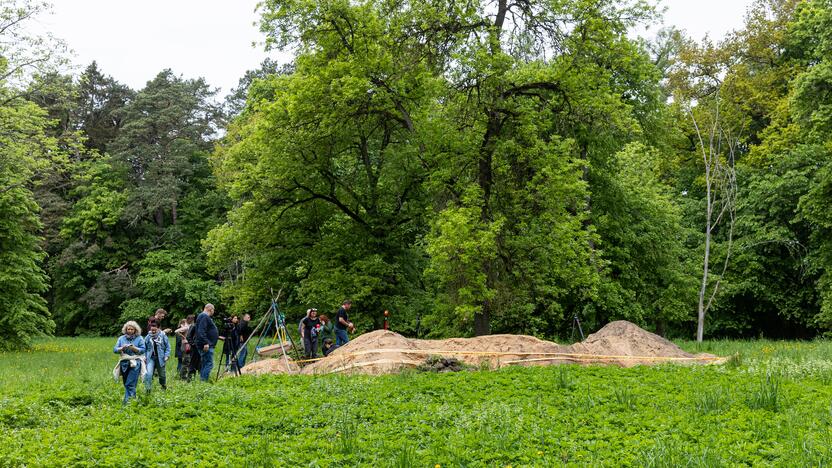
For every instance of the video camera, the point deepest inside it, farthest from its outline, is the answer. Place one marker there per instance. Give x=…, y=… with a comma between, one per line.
x=227, y=325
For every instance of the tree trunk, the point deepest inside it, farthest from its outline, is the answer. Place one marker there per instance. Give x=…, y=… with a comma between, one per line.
x=482, y=320
x=700, y=323
x=661, y=327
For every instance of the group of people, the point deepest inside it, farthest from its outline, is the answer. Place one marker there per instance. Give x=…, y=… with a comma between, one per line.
x=142, y=357
x=316, y=329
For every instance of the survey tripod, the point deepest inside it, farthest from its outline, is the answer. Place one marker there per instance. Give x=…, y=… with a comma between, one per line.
x=273, y=320
x=576, y=321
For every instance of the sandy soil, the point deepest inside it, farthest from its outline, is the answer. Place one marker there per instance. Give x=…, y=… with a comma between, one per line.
x=381, y=352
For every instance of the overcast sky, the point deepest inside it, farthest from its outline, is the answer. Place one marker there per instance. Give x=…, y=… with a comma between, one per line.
x=134, y=40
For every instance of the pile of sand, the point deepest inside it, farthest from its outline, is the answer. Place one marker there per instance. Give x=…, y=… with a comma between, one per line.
x=271, y=366
x=382, y=352
x=624, y=342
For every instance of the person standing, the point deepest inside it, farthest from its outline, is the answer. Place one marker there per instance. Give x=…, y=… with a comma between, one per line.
x=342, y=324
x=245, y=333
x=231, y=342
x=159, y=315
x=206, y=339
x=327, y=330
x=157, y=353
x=183, y=348
x=131, y=367
x=195, y=363
x=310, y=326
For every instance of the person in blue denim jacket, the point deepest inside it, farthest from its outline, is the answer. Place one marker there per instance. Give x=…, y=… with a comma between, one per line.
x=157, y=353
x=131, y=366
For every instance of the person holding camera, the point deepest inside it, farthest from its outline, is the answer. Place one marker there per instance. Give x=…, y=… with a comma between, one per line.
x=231, y=341
x=131, y=367
x=206, y=339
x=310, y=327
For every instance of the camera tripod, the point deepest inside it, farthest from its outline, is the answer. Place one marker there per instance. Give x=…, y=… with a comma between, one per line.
x=228, y=360
x=272, y=319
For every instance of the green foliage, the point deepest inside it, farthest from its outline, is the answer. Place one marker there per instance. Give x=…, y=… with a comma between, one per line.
x=644, y=241
x=174, y=280
x=26, y=149
x=472, y=168
x=62, y=394
x=453, y=157
x=131, y=238
x=767, y=395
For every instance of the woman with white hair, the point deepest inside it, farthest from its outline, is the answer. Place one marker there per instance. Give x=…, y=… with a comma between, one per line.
x=131, y=347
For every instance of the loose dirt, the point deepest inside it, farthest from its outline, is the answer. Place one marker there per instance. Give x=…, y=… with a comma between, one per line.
x=382, y=352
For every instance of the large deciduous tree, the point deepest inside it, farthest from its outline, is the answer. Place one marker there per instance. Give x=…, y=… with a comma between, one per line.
x=26, y=151
x=445, y=158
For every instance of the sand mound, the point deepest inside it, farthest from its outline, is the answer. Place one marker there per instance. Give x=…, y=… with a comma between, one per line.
x=377, y=352
x=623, y=342
x=382, y=352
x=270, y=366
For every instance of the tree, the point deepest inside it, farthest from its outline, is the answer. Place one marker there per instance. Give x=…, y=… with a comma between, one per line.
x=99, y=108
x=720, y=177
x=25, y=150
x=167, y=129
x=138, y=212
x=455, y=148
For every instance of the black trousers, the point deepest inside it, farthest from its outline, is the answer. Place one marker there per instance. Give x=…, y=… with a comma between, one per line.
x=310, y=345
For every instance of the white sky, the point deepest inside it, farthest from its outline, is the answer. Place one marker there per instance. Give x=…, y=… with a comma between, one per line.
x=133, y=40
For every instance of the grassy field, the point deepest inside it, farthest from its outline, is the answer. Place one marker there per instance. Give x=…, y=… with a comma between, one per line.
x=770, y=405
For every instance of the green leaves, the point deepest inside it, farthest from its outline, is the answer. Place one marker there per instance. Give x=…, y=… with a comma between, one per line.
x=62, y=394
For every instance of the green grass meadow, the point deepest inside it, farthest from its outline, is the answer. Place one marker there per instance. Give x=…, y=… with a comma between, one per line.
x=770, y=405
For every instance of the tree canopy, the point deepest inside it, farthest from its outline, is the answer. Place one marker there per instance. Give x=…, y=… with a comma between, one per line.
x=473, y=167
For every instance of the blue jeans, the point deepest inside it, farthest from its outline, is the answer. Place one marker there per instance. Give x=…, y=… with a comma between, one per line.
x=130, y=377
x=153, y=365
x=341, y=337
x=207, y=358
x=241, y=357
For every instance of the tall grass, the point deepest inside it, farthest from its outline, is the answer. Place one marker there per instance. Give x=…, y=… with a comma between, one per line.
x=62, y=397
x=766, y=395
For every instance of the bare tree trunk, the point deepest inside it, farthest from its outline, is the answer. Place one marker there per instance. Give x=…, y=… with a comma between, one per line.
x=721, y=192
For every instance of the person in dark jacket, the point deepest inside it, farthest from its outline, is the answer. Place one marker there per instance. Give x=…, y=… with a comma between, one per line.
x=231, y=343
x=328, y=347
x=310, y=327
x=194, y=363
x=206, y=339
x=343, y=324
x=245, y=333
